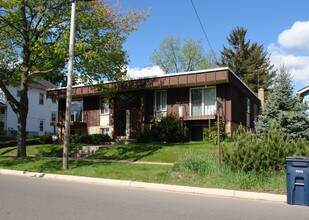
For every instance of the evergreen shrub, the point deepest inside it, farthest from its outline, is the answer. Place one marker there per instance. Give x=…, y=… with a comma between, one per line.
x=262, y=153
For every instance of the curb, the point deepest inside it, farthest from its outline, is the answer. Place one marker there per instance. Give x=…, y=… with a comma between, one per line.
x=153, y=186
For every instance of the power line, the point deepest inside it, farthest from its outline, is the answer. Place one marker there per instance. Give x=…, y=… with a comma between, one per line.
x=198, y=17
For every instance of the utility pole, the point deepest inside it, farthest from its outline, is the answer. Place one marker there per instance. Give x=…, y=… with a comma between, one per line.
x=67, y=123
x=219, y=112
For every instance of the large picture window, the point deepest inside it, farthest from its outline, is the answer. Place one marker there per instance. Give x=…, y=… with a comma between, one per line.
x=203, y=101
x=160, y=97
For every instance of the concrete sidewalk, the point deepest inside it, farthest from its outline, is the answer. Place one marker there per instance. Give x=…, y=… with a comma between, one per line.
x=153, y=186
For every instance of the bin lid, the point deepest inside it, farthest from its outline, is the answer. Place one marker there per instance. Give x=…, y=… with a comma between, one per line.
x=297, y=159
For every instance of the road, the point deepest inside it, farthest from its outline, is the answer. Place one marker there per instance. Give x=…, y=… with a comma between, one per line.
x=34, y=198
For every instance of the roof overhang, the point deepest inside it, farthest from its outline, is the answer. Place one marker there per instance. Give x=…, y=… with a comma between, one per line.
x=175, y=80
x=303, y=90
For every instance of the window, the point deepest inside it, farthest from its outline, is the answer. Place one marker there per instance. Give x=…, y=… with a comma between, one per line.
x=248, y=113
x=203, y=101
x=104, y=106
x=104, y=131
x=41, y=125
x=41, y=98
x=2, y=111
x=53, y=117
x=54, y=100
x=18, y=93
x=77, y=110
x=160, y=99
x=255, y=112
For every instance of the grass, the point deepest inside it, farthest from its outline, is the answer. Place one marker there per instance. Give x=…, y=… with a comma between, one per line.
x=153, y=152
x=41, y=150
x=189, y=170
x=272, y=183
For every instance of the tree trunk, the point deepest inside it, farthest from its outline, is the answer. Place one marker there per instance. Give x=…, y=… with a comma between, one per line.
x=21, y=132
x=22, y=112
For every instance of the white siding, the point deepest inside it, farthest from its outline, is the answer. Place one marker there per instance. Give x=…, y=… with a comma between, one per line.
x=36, y=112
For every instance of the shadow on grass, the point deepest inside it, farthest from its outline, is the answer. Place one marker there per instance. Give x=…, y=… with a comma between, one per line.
x=45, y=165
x=8, y=150
x=132, y=152
x=51, y=150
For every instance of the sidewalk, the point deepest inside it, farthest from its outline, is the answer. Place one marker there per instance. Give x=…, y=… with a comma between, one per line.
x=153, y=186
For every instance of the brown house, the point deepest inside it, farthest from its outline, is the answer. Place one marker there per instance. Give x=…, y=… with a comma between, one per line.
x=141, y=102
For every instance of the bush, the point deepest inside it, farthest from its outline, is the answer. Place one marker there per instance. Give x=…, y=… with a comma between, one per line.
x=200, y=163
x=46, y=139
x=90, y=139
x=169, y=129
x=211, y=135
x=265, y=153
x=147, y=136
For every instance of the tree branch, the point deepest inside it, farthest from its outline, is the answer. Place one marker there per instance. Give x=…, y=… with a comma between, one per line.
x=40, y=71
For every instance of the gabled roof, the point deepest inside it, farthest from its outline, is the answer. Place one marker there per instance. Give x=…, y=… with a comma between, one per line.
x=303, y=90
x=42, y=84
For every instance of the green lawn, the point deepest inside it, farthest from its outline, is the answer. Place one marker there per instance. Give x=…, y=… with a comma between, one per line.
x=41, y=150
x=273, y=182
x=150, y=152
x=153, y=152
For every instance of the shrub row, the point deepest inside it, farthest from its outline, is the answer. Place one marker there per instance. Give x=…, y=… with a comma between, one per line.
x=90, y=139
x=265, y=153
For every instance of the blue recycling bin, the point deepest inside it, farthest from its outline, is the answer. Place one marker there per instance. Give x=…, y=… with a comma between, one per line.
x=297, y=180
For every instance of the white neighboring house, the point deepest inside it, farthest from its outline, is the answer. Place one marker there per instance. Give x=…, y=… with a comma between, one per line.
x=42, y=110
x=304, y=94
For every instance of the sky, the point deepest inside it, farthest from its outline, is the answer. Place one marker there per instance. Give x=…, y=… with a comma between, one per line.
x=281, y=26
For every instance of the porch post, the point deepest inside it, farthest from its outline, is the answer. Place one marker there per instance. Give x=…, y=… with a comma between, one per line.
x=127, y=124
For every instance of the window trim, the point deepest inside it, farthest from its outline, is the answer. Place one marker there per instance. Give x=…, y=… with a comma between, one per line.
x=203, y=98
x=51, y=118
x=41, y=130
x=102, y=131
x=41, y=98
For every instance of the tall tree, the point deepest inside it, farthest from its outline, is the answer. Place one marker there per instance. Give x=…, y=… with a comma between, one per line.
x=281, y=107
x=249, y=61
x=34, y=38
x=174, y=57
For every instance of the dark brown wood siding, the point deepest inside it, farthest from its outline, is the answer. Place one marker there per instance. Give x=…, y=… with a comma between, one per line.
x=61, y=110
x=223, y=92
x=177, y=97
x=149, y=107
x=91, y=111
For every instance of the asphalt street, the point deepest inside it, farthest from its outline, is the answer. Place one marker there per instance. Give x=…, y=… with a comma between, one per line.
x=35, y=198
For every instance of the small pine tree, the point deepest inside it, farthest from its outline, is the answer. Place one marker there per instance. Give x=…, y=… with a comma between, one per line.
x=285, y=109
